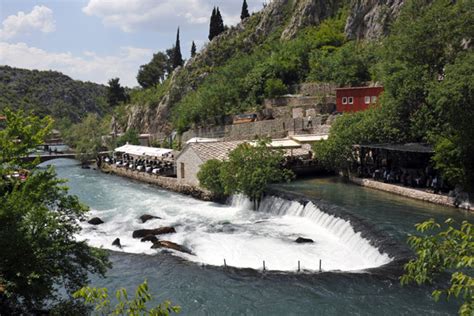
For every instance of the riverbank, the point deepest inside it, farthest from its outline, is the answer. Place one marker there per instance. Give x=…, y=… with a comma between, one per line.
x=412, y=193
x=166, y=183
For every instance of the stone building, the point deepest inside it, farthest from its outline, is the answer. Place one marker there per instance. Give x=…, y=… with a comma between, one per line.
x=189, y=161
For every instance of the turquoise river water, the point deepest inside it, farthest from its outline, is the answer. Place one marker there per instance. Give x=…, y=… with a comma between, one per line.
x=202, y=286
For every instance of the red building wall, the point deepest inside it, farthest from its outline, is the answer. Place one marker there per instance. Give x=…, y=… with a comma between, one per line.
x=356, y=98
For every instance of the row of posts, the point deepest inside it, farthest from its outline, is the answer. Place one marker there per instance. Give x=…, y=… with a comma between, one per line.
x=299, y=265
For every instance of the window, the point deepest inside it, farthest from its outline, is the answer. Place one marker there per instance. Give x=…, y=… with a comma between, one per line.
x=351, y=100
x=182, y=170
x=374, y=99
x=367, y=100
x=344, y=100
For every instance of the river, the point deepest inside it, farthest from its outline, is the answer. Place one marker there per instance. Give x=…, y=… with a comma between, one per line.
x=202, y=286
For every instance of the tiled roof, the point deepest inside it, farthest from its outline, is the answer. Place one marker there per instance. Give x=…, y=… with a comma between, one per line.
x=216, y=150
x=221, y=150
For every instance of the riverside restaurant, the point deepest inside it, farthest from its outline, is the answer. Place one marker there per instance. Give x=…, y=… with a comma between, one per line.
x=158, y=161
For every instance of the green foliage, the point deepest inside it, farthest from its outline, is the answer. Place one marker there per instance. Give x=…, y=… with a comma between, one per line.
x=275, y=88
x=21, y=134
x=40, y=253
x=130, y=137
x=86, y=138
x=216, y=25
x=151, y=96
x=50, y=93
x=447, y=249
x=116, y=93
x=209, y=176
x=155, y=71
x=126, y=306
x=177, y=57
x=371, y=126
x=249, y=170
x=193, y=49
x=245, y=11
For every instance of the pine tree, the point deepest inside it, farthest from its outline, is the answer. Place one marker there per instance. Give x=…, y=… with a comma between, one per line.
x=177, y=57
x=212, y=25
x=245, y=11
x=193, y=50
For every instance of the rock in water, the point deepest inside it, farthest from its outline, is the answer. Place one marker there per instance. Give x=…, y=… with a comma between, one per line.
x=301, y=240
x=170, y=245
x=117, y=243
x=140, y=233
x=95, y=221
x=151, y=238
x=146, y=217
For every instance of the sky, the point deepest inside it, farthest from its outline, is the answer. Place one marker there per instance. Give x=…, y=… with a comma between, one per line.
x=95, y=40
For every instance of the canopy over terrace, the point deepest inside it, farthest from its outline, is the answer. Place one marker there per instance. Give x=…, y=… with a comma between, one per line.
x=143, y=151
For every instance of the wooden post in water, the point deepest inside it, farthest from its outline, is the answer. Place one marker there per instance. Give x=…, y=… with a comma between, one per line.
x=298, y=266
x=225, y=264
x=320, y=265
x=263, y=265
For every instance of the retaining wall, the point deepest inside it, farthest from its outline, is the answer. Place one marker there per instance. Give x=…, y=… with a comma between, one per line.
x=409, y=192
x=166, y=183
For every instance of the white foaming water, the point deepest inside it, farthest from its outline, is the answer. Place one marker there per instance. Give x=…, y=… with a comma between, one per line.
x=244, y=238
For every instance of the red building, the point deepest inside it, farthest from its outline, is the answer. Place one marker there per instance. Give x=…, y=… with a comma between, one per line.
x=355, y=99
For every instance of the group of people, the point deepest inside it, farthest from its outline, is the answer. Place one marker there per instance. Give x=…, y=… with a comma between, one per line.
x=151, y=166
x=415, y=178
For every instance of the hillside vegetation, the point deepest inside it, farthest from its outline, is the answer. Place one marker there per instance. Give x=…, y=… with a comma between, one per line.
x=50, y=93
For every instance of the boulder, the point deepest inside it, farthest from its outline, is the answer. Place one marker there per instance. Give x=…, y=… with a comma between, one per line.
x=117, y=243
x=95, y=221
x=301, y=240
x=170, y=245
x=146, y=217
x=151, y=238
x=140, y=233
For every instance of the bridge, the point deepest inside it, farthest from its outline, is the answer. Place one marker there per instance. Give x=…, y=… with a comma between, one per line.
x=47, y=157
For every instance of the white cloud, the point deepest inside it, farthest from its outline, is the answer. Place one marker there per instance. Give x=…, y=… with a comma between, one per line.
x=88, y=66
x=39, y=19
x=161, y=15
x=130, y=15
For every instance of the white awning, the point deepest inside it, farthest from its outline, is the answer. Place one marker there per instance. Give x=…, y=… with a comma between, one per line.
x=309, y=138
x=202, y=140
x=143, y=150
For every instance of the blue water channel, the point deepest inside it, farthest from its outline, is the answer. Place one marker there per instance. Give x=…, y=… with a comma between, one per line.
x=211, y=290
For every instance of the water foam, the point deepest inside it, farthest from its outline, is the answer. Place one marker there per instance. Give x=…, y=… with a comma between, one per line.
x=244, y=238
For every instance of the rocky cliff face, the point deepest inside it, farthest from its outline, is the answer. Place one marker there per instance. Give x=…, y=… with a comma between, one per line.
x=368, y=19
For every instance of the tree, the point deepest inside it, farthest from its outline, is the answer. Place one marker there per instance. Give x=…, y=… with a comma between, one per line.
x=20, y=135
x=86, y=138
x=448, y=249
x=177, y=57
x=245, y=11
x=209, y=176
x=155, y=71
x=274, y=88
x=126, y=306
x=193, y=49
x=40, y=253
x=249, y=170
x=116, y=93
x=216, y=25
x=212, y=25
x=130, y=137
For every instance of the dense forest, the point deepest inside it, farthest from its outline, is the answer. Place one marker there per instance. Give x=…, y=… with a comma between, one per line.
x=50, y=93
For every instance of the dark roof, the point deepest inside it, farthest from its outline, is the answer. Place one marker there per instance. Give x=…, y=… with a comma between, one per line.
x=355, y=88
x=408, y=147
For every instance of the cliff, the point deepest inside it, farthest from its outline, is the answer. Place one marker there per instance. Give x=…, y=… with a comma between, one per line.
x=281, y=20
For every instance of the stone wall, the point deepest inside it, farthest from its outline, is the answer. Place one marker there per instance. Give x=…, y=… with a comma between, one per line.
x=408, y=192
x=166, y=183
x=188, y=165
x=276, y=128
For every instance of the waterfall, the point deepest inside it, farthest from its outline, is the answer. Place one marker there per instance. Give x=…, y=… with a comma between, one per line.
x=333, y=225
